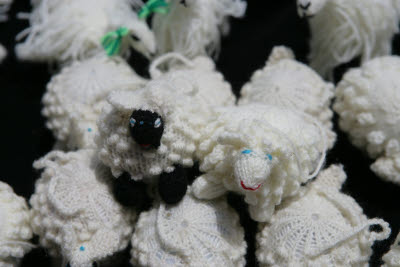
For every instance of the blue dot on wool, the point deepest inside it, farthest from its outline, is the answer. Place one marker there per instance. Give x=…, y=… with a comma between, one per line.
x=247, y=151
x=89, y=130
x=82, y=248
x=269, y=156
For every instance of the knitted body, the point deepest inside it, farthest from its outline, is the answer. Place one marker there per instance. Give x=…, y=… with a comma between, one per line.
x=194, y=233
x=75, y=97
x=262, y=152
x=392, y=258
x=368, y=104
x=64, y=31
x=15, y=230
x=322, y=227
x=345, y=29
x=290, y=84
x=193, y=28
x=74, y=212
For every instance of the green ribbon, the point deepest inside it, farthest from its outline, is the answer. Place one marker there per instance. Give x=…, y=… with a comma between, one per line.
x=111, y=42
x=153, y=6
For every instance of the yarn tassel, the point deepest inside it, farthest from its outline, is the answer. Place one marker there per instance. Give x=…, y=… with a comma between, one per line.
x=111, y=42
x=153, y=6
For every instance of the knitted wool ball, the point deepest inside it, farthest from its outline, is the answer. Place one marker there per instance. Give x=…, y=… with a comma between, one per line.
x=180, y=101
x=288, y=83
x=15, y=230
x=194, y=233
x=262, y=152
x=67, y=30
x=342, y=30
x=322, y=227
x=392, y=258
x=75, y=97
x=74, y=212
x=368, y=104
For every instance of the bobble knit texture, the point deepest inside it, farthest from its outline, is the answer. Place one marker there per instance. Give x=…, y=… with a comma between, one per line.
x=183, y=98
x=74, y=212
x=322, y=227
x=67, y=30
x=342, y=30
x=193, y=233
x=368, y=104
x=290, y=84
x=75, y=97
x=392, y=258
x=15, y=230
x=267, y=148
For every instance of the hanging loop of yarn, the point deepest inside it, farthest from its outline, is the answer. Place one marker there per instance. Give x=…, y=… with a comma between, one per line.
x=155, y=72
x=153, y=6
x=111, y=42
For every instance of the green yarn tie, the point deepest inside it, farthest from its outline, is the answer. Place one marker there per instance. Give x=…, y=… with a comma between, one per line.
x=111, y=42
x=153, y=6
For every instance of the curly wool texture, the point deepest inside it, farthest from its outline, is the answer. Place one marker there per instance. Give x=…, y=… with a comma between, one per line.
x=67, y=30
x=262, y=152
x=392, y=258
x=194, y=28
x=345, y=29
x=368, y=104
x=194, y=233
x=288, y=83
x=183, y=98
x=321, y=227
x=74, y=211
x=75, y=97
x=15, y=230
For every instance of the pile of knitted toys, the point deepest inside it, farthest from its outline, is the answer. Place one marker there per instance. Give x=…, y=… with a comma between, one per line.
x=121, y=172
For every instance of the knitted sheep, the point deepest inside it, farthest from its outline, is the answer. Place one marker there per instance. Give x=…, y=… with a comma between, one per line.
x=154, y=131
x=368, y=104
x=193, y=233
x=342, y=30
x=193, y=28
x=392, y=258
x=262, y=152
x=321, y=227
x=287, y=83
x=64, y=31
x=74, y=212
x=15, y=230
x=75, y=97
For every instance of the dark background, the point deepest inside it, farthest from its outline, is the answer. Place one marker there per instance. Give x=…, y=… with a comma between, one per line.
x=24, y=137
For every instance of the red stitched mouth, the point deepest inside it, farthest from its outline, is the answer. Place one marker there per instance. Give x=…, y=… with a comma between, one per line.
x=249, y=188
x=145, y=145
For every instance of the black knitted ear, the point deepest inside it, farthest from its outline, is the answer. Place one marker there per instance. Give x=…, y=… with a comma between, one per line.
x=172, y=186
x=146, y=128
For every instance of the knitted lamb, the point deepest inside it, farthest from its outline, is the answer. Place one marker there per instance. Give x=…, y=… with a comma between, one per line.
x=66, y=30
x=288, y=83
x=368, y=104
x=321, y=227
x=342, y=30
x=262, y=152
x=75, y=97
x=392, y=258
x=74, y=212
x=193, y=28
x=15, y=230
x=193, y=233
x=155, y=130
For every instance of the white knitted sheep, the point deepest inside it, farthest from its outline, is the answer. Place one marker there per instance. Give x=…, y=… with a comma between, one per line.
x=193, y=28
x=320, y=227
x=15, y=230
x=262, y=152
x=75, y=97
x=74, y=212
x=392, y=258
x=66, y=30
x=368, y=104
x=288, y=83
x=342, y=30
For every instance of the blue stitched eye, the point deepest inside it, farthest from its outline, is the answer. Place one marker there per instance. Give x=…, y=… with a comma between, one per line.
x=141, y=122
x=247, y=151
x=157, y=123
x=132, y=122
x=82, y=248
x=268, y=156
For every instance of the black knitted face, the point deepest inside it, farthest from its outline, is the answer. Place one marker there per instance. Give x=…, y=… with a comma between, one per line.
x=146, y=128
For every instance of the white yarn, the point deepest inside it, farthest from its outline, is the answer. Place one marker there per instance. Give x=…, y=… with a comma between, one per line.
x=288, y=83
x=194, y=28
x=263, y=152
x=74, y=211
x=66, y=30
x=4, y=7
x=75, y=97
x=193, y=233
x=392, y=258
x=368, y=104
x=320, y=227
x=183, y=98
x=15, y=230
x=341, y=30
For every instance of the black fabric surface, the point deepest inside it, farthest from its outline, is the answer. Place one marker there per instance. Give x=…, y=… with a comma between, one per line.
x=25, y=138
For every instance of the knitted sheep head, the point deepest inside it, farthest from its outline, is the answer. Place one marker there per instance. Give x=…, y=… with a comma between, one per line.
x=308, y=8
